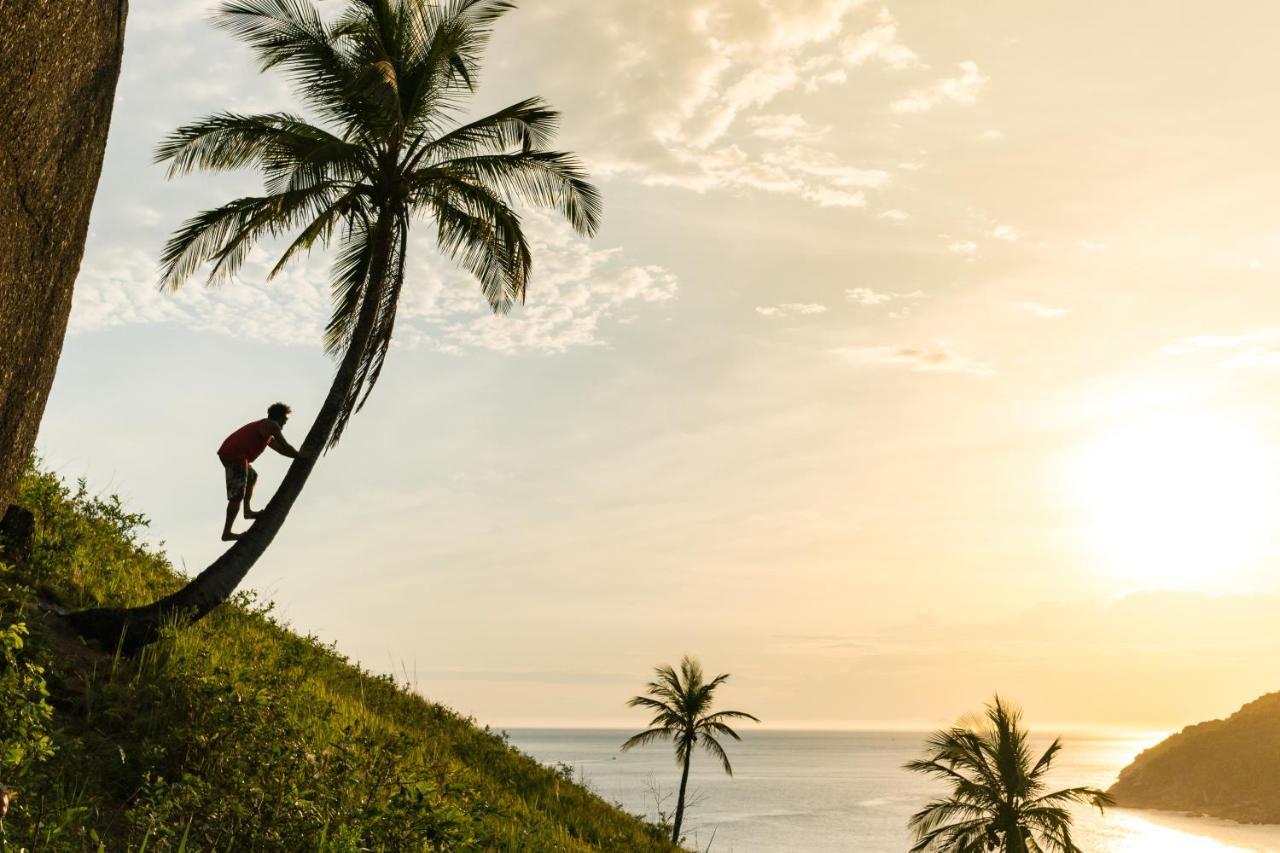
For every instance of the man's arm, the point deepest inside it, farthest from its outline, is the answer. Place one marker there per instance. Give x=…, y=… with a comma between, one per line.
x=278, y=443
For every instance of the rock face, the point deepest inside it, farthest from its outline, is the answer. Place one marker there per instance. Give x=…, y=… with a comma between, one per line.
x=1223, y=768
x=59, y=62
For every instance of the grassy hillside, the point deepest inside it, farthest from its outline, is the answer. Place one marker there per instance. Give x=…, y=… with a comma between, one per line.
x=1223, y=768
x=237, y=734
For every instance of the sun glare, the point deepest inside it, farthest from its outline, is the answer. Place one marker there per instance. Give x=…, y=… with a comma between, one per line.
x=1178, y=501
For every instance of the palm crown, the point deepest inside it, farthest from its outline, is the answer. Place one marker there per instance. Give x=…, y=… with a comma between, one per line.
x=999, y=799
x=387, y=81
x=681, y=705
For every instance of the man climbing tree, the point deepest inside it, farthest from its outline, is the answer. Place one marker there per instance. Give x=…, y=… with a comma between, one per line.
x=385, y=82
x=237, y=453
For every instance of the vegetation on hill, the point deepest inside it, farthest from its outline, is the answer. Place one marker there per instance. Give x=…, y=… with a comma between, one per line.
x=1222, y=768
x=236, y=733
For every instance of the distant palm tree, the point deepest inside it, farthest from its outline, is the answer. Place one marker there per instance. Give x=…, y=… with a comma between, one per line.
x=681, y=705
x=998, y=802
x=387, y=80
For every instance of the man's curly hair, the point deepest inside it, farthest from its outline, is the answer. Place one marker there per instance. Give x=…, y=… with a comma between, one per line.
x=277, y=409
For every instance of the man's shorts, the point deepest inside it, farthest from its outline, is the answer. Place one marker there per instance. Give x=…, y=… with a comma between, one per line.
x=240, y=475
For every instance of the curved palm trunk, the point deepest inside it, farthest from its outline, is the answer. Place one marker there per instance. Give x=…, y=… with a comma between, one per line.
x=134, y=627
x=684, y=783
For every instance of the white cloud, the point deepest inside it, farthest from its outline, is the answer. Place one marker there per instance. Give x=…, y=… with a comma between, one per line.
x=685, y=95
x=962, y=247
x=936, y=358
x=961, y=89
x=895, y=214
x=868, y=296
x=1047, y=312
x=790, y=309
x=1092, y=245
x=786, y=127
x=827, y=197
x=1260, y=349
x=880, y=42
x=1005, y=232
x=575, y=290
x=818, y=164
x=992, y=135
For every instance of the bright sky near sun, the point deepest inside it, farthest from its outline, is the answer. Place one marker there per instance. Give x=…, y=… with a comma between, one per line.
x=928, y=350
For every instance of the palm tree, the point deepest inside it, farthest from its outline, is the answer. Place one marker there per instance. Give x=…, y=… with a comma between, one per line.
x=998, y=802
x=681, y=705
x=387, y=80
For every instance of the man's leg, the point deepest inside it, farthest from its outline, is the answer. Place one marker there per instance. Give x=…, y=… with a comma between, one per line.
x=233, y=507
x=252, y=478
x=235, y=492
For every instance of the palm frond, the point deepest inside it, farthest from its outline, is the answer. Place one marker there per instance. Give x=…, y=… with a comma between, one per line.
x=350, y=275
x=718, y=716
x=527, y=125
x=485, y=237
x=713, y=746
x=551, y=179
x=646, y=737
x=279, y=143
x=380, y=341
x=224, y=235
x=291, y=35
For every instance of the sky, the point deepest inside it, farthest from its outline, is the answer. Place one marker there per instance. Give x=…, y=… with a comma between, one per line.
x=926, y=351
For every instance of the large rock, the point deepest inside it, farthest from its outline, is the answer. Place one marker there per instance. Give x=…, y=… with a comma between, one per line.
x=1223, y=768
x=59, y=62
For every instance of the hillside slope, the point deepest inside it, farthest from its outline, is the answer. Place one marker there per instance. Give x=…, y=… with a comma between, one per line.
x=1223, y=768
x=237, y=734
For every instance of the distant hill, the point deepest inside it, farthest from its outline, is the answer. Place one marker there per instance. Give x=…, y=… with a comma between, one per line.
x=238, y=734
x=1222, y=768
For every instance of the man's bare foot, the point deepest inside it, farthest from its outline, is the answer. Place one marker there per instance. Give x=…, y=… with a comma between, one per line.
x=251, y=513
x=228, y=536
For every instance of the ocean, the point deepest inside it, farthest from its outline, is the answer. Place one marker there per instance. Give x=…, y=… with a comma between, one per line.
x=846, y=791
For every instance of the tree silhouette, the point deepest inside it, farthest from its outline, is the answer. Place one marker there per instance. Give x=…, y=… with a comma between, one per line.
x=681, y=704
x=998, y=801
x=386, y=80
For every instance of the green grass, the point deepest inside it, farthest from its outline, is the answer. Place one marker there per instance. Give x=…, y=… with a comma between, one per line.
x=237, y=734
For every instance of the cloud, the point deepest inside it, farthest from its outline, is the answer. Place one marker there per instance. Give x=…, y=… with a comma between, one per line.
x=1047, y=312
x=1092, y=245
x=575, y=290
x=960, y=89
x=868, y=296
x=790, y=309
x=1258, y=350
x=935, y=358
x=895, y=215
x=686, y=95
x=1005, y=232
x=962, y=247
x=786, y=127
x=881, y=43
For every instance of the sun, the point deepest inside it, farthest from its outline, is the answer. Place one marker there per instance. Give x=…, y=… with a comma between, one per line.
x=1181, y=501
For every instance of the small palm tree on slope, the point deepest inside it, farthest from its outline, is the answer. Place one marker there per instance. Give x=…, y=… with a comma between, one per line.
x=681, y=704
x=998, y=801
x=386, y=81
